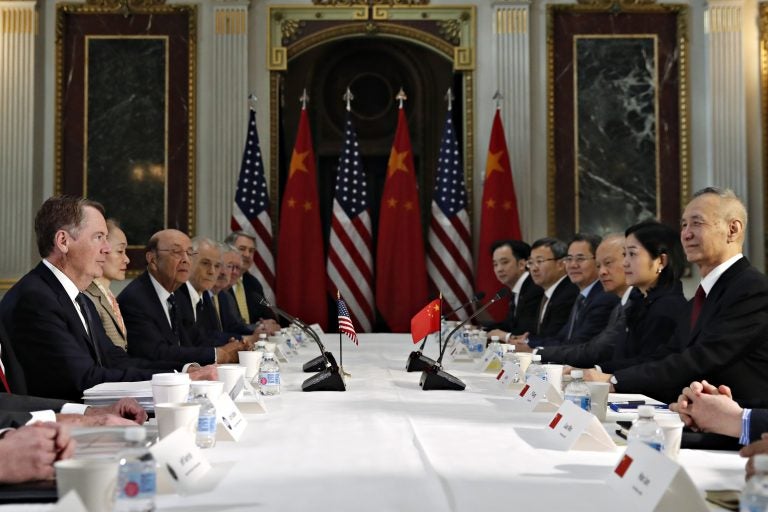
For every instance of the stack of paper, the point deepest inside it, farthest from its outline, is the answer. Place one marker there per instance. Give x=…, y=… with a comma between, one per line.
x=110, y=392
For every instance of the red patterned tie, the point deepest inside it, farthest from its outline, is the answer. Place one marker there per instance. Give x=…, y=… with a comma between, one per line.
x=698, y=302
x=5, y=382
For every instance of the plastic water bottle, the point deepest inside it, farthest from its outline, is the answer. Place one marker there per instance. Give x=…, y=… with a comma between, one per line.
x=754, y=498
x=261, y=345
x=465, y=338
x=136, y=474
x=535, y=369
x=478, y=341
x=298, y=336
x=646, y=430
x=206, y=422
x=269, y=375
x=511, y=358
x=578, y=392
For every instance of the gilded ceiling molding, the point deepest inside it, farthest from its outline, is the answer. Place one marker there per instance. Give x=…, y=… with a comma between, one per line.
x=125, y=4
x=346, y=3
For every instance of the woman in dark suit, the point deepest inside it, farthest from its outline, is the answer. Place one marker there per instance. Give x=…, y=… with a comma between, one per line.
x=653, y=264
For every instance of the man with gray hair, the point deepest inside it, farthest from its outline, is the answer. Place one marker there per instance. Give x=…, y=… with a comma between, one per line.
x=725, y=338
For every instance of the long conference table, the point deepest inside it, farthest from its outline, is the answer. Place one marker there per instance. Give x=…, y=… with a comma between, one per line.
x=386, y=445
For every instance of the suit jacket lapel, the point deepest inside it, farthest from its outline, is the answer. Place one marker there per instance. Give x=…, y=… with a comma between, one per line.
x=159, y=310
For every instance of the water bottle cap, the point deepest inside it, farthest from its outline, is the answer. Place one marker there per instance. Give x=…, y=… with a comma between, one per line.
x=261, y=343
x=494, y=339
x=577, y=374
x=761, y=462
x=135, y=434
x=646, y=411
x=263, y=336
x=510, y=348
x=536, y=357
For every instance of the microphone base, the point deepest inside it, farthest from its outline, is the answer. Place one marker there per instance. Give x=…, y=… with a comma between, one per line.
x=418, y=362
x=327, y=380
x=436, y=378
x=318, y=364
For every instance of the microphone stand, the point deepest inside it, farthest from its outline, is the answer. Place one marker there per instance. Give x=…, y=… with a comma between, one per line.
x=417, y=361
x=435, y=377
x=328, y=378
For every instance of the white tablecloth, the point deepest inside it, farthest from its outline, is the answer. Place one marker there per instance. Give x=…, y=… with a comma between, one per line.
x=386, y=445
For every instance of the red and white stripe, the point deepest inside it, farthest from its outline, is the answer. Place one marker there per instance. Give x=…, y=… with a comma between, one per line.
x=449, y=259
x=350, y=264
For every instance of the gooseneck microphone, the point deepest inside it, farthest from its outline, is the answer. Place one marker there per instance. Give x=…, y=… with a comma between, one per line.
x=328, y=378
x=417, y=361
x=435, y=377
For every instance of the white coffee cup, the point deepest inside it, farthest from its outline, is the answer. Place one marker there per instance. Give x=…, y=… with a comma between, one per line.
x=170, y=387
x=673, y=433
x=598, y=392
x=94, y=481
x=174, y=416
x=251, y=361
x=525, y=362
x=555, y=376
x=229, y=374
x=211, y=388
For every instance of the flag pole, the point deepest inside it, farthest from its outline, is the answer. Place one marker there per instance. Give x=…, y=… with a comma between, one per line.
x=341, y=350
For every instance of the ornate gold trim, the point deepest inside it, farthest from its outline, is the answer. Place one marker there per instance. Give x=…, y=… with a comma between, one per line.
x=625, y=6
x=19, y=20
x=385, y=19
x=135, y=7
x=231, y=21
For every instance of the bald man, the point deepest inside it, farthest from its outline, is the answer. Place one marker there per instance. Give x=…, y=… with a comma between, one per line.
x=152, y=313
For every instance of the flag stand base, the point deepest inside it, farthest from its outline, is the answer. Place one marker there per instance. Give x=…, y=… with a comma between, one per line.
x=327, y=380
x=318, y=364
x=418, y=362
x=436, y=378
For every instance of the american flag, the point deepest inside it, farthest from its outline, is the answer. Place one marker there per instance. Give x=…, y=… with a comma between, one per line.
x=350, y=263
x=250, y=212
x=449, y=259
x=345, y=323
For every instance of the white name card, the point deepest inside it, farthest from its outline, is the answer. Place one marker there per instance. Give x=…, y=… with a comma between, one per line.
x=574, y=428
x=178, y=454
x=280, y=353
x=251, y=403
x=506, y=376
x=532, y=393
x=648, y=480
x=231, y=423
x=460, y=353
x=490, y=361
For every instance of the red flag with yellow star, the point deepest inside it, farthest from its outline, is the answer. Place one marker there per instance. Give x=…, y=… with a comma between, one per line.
x=401, y=269
x=498, y=218
x=300, y=259
x=426, y=321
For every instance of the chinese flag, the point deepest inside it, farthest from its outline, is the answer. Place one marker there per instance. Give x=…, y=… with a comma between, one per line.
x=425, y=321
x=499, y=219
x=300, y=260
x=401, y=270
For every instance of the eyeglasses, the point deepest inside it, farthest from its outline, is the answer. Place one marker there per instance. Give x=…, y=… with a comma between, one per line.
x=538, y=263
x=178, y=253
x=578, y=259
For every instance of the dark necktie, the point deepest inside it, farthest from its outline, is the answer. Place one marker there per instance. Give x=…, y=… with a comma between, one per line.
x=575, y=315
x=199, y=309
x=698, y=302
x=542, y=306
x=512, y=308
x=82, y=301
x=172, y=313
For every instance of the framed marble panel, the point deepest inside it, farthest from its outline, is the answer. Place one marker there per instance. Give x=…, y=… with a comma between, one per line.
x=125, y=116
x=617, y=123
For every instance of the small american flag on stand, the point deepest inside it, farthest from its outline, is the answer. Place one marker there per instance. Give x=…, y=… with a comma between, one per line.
x=345, y=322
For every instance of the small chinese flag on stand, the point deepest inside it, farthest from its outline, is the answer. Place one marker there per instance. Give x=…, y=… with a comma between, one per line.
x=426, y=321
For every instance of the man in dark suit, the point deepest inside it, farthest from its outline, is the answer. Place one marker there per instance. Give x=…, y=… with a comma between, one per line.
x=247, y=291
x=589, y=313
x=224, y=302
x=54, y=329
x=153, y=314
x=509, y=260
x=726, y=340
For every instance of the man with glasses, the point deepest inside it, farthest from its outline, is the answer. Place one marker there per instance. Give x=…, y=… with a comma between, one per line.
x=152, y=311
x=588, y=314
x=54, y=330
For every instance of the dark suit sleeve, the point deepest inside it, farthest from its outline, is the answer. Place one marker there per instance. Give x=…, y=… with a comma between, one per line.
x=29, y=403
x=758, y=423
x=599, y=348
x=231, y=321
x=527, y=310
x=731, y=349
x=593, y=318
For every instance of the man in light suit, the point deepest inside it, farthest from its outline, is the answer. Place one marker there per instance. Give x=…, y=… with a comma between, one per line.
x=726, y=339
x=53, y=328
x=509, y=260
x=247, y=291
